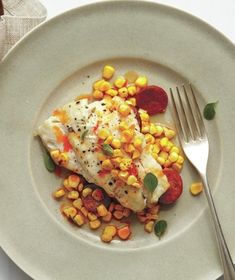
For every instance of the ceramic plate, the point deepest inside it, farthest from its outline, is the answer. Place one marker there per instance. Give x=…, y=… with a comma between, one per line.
x=57, y=62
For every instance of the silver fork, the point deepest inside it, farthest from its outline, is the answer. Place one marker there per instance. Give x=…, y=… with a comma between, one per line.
x=194, y=142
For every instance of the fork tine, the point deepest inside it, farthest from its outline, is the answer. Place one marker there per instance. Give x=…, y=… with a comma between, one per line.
x=198, y=116
x=178, y=120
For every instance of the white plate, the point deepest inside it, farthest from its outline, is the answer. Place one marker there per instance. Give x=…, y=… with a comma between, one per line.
x=51, y=66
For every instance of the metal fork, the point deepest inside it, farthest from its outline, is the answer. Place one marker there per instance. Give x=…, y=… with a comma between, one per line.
x=194, y=142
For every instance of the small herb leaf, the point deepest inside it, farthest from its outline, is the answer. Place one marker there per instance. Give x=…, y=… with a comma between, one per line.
x=150, y=182
x=49, y=163
x=107, y=149
x=160, y=228
x=209, y=111
x=84, y=134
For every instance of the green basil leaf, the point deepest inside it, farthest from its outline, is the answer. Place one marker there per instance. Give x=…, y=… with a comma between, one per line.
x=107, y=149
x=49, y=163
x=150, y=182
x=84, y=134
x=209, y=111
x=160, y=228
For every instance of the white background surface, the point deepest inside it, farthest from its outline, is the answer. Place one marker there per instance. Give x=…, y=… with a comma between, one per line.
x=219, y=14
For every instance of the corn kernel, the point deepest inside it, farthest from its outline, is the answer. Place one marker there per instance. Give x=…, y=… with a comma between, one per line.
x=173, y=156
x=123, y=125
x=129, y=148
x=127, y=136
x=59, y=193
x=116, y=161
x=136, y=154
x=126, y=212
x=156, y=149
x=108, y=72
x=55, y=154
x=114, y=173
x=123, y=92
x=116, y=143
x=123, y=175
x=101, y=157
x=196, y=188
x=125, y=164
x=97, y=84
x=73, y=181
x=64, y=158
x=97, y=94
x=108, y=233
x=79, y=220
x=180, y=160
x=131, y=101
x=155, y=155
x=138, y=143
x=77, y=203
x=177, y=166
x=141, y=81
x=70, y=211
x=167, y=163
x=175, y=149
x=112, y=92
x=149, y=138
x=118, y=214
x=86, y=192
x=163, y=155
x=73, y=195
x=164, y=142
x=148, y=227
x=103, y=133
x=168, y=147
x=104, y=86
x=91, y=216
x=108, y=140
x=107, y=164
x=84, y=211
x=153, y=129
x=137, y=185
x=102, y=210
x=95, y=224
x=169, y=133
x=132, y=90
x=120, y=82
x=80, y=187
x=145, y=128
x=124, y=109
x=117, y=153
x=159, y=130
x=144, y=116
x=131, y=180
x=107, y=218
x=161, y=160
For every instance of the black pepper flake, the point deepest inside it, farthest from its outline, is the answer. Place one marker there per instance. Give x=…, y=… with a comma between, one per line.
x=69, y=106
x=70, y=129
x=77, y=102
x=102, y=104
x=86, y=107
x=79, y=129
x=88, y=76
x=84, y=127
x=126, y=192
x=110, y=183
x=75, y=119
x=83, y=152
x=105, y=110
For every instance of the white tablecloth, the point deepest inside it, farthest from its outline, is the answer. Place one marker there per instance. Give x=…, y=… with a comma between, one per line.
x=217, y=13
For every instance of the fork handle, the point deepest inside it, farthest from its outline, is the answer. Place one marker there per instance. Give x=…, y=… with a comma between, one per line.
x=228, y=267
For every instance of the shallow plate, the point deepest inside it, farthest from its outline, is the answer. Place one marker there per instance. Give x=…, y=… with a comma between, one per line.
x=57, y=62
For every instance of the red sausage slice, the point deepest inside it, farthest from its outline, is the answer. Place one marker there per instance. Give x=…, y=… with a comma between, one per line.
x=175, y=189
x=153, y=99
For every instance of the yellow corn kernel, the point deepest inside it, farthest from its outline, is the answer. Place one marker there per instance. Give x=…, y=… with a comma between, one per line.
x=155, y=155
x=123, y=92
x=103, y=133
x=116, y=143
x=73, y=195
x=116, y=161
x=77, y=203
x=73, y=181
x=64, y=158
x=131, y=101
x=124, y=109
x=95, y=224
x=180, y=160
x=114, y=173
x=104, y=86
x=131, y=180
x=123, y=125
x=107, y=164
x=161, y=160
x=108, y=72
x=173, y=156
x=141, y=81
x=123, y=175
x=149, y=138
x=107, y=218
x=108, y=140
x=167, y=163
x=163, y=155
x=144, y=116
x=86, y=192
x=112, y=92
x=138, y=143
x=55, y=154
x=196, y=188
x=156, y=149
x=70, y=212
x=175, y=149
x=91, y=216
x=127, y=136
x=153, y=129
x=148, y=227
x=97, y=84
x=168, y=147
x=129, y=148
x=125, y=164
x=102, y=210
x=120, y=82
x=159, y=130
x=80, y=187
x=101, y=157
x=79, y=220
x=177, y=167
x=108, y=233
x=117, y=153
x=145, y=128
x=164, y=142
x=97, y=94
x=84, y=211
x=59, y=193
x=132, y=90
x=169, y=133
x=136, y=154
